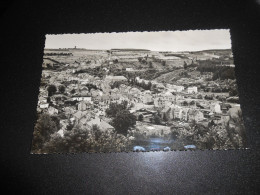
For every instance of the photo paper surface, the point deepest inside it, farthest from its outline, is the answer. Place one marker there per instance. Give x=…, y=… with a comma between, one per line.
x=138, y=91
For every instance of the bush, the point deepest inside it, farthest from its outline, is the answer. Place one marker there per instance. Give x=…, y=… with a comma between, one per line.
x=87, y=140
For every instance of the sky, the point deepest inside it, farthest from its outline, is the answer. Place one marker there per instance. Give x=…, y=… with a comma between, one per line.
x=193, y=40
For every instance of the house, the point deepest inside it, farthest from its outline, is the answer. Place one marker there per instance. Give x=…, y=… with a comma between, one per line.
x=83, y=122
x=82, y=98
x=177, y=113
x=160, y=87
x=43, y=93
x=134, y=91
x=178, y=88
x=192, y=90
x=215, y=107
x=42, y=100
x=82, y=106
x=129, y=69
x=234, y=111
x=89, y=105
x=81, y=114
x=169, y=97
x=103, y=106
x=52, y=110
x=103, y=126
x=95, y=93
x=225, y=118
x=224, y=107
x=195, y=115
x=147, y=98
x=68, y=111
x=105, y=87
x=44, y=105
x=115, y=78
x=58, y=98
x=184, y=114
x=159, y=102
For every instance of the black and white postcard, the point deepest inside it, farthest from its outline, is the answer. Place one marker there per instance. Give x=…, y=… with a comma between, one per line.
x=138, y=91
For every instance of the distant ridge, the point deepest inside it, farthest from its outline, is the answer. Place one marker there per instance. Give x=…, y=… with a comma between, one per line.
x=129, y=49
x=68, y=49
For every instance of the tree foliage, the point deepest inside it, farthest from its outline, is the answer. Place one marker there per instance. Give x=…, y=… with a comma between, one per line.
x=86, y=140
x=44, y=127
x=157, y=120
x=114, y=108
x=116, y=84
x=229, y=134
x=164, y=63
x=185, y=66
x=140, y=117
x=123, y=120
x=51, y=90
x=61, y=88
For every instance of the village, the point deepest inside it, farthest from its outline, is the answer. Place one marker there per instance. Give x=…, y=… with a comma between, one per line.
x=80, y=87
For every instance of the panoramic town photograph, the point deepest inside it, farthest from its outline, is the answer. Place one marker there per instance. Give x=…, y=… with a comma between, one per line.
x=138, y=91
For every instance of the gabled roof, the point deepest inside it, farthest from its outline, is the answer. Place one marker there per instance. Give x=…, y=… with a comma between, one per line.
x=78, y=114
x=101, y=123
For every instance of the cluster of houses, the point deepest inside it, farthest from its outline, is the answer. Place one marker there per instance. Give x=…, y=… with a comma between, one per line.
x=85, y=105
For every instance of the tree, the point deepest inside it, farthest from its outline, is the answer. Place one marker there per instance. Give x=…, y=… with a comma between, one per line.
x=61, y=88
x=144, y=61
x=116, y=84
x=86, y=140
x=97, y=131
x=73, y=91
x=233, y=92
x=140, y=117
x=143, y=84
x=157, y=120
x=164, y=63
x=44, y=127
x=192, y=103
x=185, y=66
x=199, y=96
x=149, y=85
x=208, y=97
x=150, y=64
x=115, y=61
x=114, y=108
x=123, y=120
x=165, y=118
x=51, y=90
x=237, y=133
x=185, y=103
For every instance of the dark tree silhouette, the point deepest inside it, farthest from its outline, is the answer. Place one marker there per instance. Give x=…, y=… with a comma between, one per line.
x=123, y=120
x=44, y=127
x=51, y=90
x=61, y=88
x=114, y=108
x=157, y=120
x=140, y=117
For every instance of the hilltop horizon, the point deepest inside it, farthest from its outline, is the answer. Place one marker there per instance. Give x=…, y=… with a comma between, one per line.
x=138, y=49
x=192, y=40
